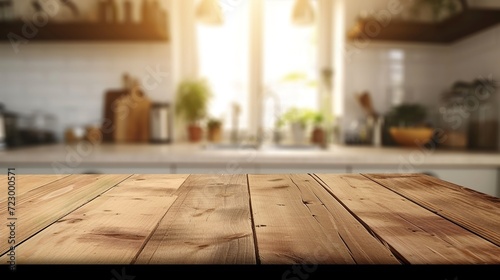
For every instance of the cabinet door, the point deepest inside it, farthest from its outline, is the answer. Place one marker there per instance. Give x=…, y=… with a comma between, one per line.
x=229, y=168
x=300, y=169
x=481, y=180
x=94, y=170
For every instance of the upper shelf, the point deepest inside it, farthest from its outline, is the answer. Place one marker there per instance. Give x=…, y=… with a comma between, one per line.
x=448, y=31
x=87, y=31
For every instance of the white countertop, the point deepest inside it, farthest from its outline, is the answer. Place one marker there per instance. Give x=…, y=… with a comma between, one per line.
x=144, y=154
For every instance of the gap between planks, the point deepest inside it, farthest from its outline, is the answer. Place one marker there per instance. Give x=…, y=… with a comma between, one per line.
x=41, y=203
x=104, y=230
x=209, y=223
x=298, y=221
x=480, y=217
x=27, y=182
x=414, y=233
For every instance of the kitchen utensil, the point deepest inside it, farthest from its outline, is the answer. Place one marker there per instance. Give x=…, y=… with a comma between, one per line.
x=111, y=98
x=365, y=101
x=161, y=123
x=132, y=117
x=374, y=121
x=411, y=136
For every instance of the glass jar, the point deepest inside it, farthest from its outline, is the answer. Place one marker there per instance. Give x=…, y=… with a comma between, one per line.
x=482, y=105
x=453, y=123
x=483, y=125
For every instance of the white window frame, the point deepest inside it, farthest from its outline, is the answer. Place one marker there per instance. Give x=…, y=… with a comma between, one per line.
x=325, y=52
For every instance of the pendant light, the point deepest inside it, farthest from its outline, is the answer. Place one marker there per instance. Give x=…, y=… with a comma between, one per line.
x=303, y=13
x=209, y=12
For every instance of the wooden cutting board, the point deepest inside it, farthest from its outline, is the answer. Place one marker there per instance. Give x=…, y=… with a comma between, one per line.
x=126, y=118
x=109, y=124
x=132, y=119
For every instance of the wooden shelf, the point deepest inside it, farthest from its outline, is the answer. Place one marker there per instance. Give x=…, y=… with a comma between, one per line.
x=88, y=32
x=448, y=31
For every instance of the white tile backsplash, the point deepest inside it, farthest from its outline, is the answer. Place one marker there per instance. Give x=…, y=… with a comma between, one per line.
x=69, y=80
x=423, y=75
x=477, y=57
x=428, y=69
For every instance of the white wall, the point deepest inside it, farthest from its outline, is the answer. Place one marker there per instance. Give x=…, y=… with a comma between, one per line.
x=424, y=75
x=368, y=63
x=428, y=69
x=477, y=57
x=69, y=79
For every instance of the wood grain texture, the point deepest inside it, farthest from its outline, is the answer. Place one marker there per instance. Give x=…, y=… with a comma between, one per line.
x=413, y=233
x=132, y=118
x=108, y=127
x=335, y=219
x=472, y=210
x=110, y=229
x=27, y=182
x=297, y=221
x=41, y=207
x=209, y=223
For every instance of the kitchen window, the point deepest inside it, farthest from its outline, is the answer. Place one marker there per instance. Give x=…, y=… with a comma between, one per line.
x=261, y=61
x=223, y=60
x=290, y=62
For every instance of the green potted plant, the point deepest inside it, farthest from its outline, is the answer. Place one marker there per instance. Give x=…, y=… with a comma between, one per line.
x=298, y=119
x=193, y=96
x=408, y=115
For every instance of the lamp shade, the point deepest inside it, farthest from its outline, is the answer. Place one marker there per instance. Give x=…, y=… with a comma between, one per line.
x=303, y=13
x=209, y=12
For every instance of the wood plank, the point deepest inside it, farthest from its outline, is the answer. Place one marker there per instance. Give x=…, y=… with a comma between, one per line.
x=27, y=182
x=111, y=229
x=477, y=212
x=298, y=221
x=41, y=207
x=209, y=223
x=412, y=232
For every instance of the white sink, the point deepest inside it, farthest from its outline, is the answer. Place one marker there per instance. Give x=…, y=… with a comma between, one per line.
x=230, y=146
x=292, y=147
x=271, y=147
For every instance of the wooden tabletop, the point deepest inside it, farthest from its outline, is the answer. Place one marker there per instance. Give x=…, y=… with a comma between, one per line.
x=249, y=219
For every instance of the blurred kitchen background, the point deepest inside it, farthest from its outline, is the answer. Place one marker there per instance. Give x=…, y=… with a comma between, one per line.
x=292, y=79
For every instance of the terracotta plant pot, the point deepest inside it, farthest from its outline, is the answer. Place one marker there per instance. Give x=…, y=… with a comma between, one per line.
x=318, y=136
x=215, y=133
x=195, y=133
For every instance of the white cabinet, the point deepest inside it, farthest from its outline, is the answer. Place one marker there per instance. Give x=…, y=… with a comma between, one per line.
x=229, y=168
x=482, y=180
x=485, y=180
x=294, y=169
x=48, y=169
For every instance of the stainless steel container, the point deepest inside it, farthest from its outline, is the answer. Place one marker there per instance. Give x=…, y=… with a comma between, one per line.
x=161, y=123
